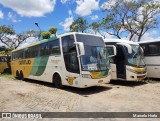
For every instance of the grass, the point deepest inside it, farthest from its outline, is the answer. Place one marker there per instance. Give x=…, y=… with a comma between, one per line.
x=6, y=75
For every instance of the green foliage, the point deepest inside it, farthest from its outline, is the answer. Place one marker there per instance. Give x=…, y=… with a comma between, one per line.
x=2, y=48
x=6, y=75
x=15, y=41
x=6, y=30
x=79, y=25
x=53, y=30
x=5, y=51
x=31, y=33
x=46, y=35
x=134, y=18
x=95, y=26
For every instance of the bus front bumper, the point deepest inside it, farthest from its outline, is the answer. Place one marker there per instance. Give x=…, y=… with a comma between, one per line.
x=86, y=82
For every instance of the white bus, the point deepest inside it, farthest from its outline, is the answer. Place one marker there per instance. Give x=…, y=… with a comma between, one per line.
x=152, y=57
x=128, y=64
x=73, y=59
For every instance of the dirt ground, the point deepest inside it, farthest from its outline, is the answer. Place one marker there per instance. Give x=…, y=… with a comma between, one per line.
x=119, y=96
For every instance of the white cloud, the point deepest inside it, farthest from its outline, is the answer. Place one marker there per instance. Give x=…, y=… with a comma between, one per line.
x=70, y=12
x=94, y=17
x=108, y=4
x=107, y=36
x=13, y=17
x=30, y=8
x=85, y=7
x=101, y=33
x=66, y=24
x=151, y=35
x=1, y=15
x=29, y=41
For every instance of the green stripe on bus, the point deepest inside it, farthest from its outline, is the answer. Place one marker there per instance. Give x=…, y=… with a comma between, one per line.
x=44, y=41
x=39, y=66
x=104, y=73
x=35, y=66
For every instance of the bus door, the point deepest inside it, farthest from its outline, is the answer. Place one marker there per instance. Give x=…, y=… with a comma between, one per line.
x=114, y=70
x=119, y=61
x=70, y=58
x=4, y=64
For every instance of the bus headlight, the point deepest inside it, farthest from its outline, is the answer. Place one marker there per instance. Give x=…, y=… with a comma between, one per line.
x=137, y=70
x=86, y=75
x=131, y=70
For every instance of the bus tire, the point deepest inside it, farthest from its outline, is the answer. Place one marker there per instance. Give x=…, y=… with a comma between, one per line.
x=17, y=75
x=57, y=81
x=21, y=75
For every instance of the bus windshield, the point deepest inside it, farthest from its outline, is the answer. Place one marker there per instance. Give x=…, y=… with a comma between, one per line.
x=95, y=58
x=136, y=57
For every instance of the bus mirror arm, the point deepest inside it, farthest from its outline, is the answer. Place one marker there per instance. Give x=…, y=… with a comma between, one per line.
x=142, y=52
x=81, y=50
x=113, y=49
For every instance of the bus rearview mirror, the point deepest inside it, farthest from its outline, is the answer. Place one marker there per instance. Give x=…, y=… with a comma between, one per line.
x=111, y=49
x=129, y=48
x=81, y=49
x=142, y=49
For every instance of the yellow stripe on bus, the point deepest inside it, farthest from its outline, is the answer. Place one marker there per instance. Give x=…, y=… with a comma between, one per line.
x=24, y=65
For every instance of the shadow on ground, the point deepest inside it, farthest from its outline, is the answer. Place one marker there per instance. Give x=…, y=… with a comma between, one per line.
x=87, y=91
x=127, y=83
x=81, y=91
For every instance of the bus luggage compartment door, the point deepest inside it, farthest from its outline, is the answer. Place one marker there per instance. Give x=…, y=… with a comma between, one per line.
x=113, y=71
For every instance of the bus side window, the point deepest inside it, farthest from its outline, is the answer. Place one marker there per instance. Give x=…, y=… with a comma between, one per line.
x=29, y=52
x=54, y=47
x=3, y=59
x=44, y=49
x=8, y=58
x=36, y=51
x=154, y=49
x=26, y=53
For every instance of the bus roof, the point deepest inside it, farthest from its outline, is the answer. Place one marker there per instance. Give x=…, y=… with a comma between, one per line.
x=150, y=41
x=120, y=41
x=69, y=33
x=51, y=38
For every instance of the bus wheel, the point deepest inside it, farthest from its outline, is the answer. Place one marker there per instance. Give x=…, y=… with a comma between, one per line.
x=17, y=75
x=21, y=76
x=57, y=81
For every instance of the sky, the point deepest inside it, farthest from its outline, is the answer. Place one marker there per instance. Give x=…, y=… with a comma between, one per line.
x=22, y=14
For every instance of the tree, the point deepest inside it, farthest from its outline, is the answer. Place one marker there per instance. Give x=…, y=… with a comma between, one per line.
x=53, y=30
x=46, y=35
x=2, y=48
x=12, y=40
x=95, y=26
x=5, y=31
x=133, y=18
x=79, y=25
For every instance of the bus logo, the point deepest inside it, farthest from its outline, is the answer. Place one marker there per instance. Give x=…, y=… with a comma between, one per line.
x=23, y=62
